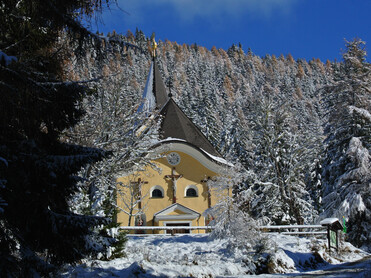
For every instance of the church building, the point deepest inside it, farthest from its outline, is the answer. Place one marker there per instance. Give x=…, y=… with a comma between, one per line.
x=177, y=195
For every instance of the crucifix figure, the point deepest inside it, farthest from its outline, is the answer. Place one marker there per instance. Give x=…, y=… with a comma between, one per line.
x=208, y=191
x=174, y=178
x=138, y=190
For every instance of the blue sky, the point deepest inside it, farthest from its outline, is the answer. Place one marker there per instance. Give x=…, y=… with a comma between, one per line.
x=305, y=28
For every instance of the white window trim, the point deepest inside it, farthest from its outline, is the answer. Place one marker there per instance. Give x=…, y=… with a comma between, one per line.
x=191, y=186
x=159, y=187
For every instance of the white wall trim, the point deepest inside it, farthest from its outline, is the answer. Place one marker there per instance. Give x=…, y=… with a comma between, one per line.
x=177, y=217
x=159, y=187
x=194, y=152
x=189, y=214
x=174, y=207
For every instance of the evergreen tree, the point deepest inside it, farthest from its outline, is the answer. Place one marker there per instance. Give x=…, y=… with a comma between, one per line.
x=38, y=172
x=347, y=168
x=279, y=158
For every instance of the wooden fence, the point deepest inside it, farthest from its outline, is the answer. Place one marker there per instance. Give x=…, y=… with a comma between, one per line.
x=329, y=227
x=304, y=230
x=129, y=228
x=296, y=229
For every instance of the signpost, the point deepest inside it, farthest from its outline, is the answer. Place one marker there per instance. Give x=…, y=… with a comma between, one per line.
x=333, y=226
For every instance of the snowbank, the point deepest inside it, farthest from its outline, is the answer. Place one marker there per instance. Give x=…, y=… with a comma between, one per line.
x=201, y=256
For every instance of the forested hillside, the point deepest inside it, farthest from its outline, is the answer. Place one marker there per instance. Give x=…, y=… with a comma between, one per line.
x=270, y=113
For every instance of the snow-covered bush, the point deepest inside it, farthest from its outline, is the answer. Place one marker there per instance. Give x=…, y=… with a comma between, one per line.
x=231, y=219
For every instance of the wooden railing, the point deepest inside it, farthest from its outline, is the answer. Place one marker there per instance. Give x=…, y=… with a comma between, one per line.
x=283, y=229
x=166, y=228
x=328, y=226
x=295, y=229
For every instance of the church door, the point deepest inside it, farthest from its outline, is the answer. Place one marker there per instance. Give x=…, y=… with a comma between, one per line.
x=178, y=231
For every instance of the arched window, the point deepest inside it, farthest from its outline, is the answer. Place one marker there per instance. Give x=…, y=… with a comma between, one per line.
x=191, y=191
x=157, y=192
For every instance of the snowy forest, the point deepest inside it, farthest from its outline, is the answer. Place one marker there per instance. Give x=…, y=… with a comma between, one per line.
x=298, y=131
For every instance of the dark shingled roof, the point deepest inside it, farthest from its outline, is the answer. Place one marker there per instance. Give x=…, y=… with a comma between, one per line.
x=175, y=123
x=159, y=88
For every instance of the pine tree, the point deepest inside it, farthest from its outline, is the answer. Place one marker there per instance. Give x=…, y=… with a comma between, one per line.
x=347, y=168
x=38, y=172
x=278, y=159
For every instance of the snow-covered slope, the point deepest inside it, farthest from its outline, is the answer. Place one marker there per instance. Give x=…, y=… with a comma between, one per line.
x=202, y=256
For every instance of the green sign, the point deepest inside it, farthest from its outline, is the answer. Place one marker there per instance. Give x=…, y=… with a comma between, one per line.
x=332, y=239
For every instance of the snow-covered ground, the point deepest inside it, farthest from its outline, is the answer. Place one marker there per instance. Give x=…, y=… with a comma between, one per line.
x=202, y=256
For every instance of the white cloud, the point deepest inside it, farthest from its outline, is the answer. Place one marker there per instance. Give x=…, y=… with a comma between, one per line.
x=189, y=9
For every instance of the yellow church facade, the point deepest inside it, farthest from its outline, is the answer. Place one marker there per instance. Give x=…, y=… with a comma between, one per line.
x=177, y=195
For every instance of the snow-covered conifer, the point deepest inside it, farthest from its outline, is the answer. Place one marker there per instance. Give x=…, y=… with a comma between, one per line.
x=279, y=158
x=346, y=170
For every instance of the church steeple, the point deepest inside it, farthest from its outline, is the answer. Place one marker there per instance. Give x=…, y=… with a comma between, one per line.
x=175, y=124
x=154, y=94
x=159, y=89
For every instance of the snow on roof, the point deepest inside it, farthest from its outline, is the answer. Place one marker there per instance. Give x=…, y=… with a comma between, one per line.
x=218, y=159
x=172, y=139
x=328, y=221
x=148, y=98
x=212, y=157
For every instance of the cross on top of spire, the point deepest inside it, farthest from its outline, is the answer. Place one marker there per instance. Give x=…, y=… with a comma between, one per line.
x=154, y=47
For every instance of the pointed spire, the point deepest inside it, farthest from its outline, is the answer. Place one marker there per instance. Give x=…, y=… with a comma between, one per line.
x=154, y=94
x=148, y=99
x=175, y=124
x=159, y=89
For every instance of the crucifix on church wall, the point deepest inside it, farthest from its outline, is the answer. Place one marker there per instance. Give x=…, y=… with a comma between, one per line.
x=208, y=191
x=174, y=178
x=138, y=190
x=130, y=197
